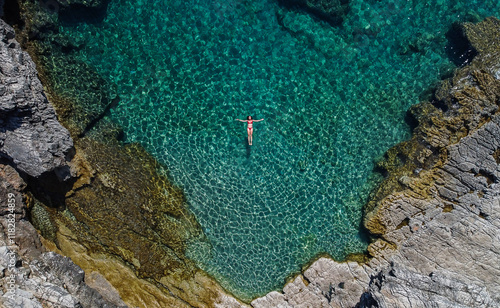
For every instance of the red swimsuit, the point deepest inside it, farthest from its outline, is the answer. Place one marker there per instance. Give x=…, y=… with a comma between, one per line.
x=250, y=125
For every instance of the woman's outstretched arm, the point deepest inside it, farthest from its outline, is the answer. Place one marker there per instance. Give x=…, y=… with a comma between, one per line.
x=258, y=120
x=240, y=120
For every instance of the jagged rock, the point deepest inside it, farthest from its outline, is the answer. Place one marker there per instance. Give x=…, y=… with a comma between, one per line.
x=437, y=229
x=33, y=143
x=31, y=138
x=41, y=278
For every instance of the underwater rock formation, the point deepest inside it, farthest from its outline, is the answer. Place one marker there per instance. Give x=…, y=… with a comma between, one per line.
x=80, y=95
x=31, y=138
x=436, y=216
x=82, y=3
x=331, y=11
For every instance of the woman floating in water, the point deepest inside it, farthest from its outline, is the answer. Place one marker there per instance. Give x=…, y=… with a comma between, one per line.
x=250, y=121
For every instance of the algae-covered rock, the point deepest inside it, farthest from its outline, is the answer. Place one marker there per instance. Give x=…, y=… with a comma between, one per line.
x=123, y=214
x=42, y=279
x=140, y=216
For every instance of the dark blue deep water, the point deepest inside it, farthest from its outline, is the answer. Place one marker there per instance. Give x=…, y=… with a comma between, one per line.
x=333, y=100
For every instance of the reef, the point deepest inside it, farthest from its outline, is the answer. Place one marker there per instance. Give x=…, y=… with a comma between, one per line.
x=435, y=218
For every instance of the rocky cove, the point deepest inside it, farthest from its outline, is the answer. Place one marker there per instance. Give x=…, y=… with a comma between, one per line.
x=434, y=220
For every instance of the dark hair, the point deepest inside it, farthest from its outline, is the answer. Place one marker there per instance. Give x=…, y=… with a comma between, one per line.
x=249, y=117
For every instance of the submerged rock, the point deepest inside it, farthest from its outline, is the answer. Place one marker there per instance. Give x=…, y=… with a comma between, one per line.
x=82, y=3
x=31, y=138
x=81, y=96
x=332, y=11
x=436, y=217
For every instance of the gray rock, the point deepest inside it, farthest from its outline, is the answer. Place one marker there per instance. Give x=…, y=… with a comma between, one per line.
x=41, y=278
x=64, y=283
x=97, y=282
x=23, y=299
x=31, y=138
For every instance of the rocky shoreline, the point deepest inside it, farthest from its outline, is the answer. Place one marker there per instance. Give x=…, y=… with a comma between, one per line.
x=33, y=146
x=103, y=204
x=434, y=219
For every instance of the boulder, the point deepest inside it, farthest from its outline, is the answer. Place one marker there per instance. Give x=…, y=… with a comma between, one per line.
x=31, y=138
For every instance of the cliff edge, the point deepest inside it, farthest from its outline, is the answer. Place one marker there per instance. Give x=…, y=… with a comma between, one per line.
x=31, y=138
x=33, y=145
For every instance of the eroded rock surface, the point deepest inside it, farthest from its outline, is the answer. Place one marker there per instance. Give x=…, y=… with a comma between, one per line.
x=436, y=216
x=31, y=138
x=29, y=275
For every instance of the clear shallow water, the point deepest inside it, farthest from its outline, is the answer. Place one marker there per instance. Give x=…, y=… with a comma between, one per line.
x=333, y=100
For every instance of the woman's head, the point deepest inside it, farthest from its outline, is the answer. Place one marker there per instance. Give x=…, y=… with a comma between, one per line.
x=249, y=117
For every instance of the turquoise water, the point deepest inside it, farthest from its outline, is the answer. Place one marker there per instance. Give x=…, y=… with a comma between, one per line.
x=333, y=99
